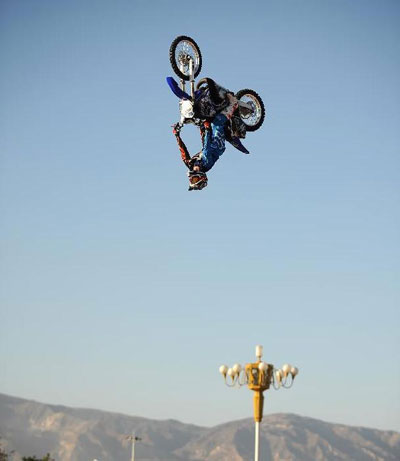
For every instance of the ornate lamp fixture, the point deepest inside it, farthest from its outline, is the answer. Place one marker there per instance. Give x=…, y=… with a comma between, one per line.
x=258, y=377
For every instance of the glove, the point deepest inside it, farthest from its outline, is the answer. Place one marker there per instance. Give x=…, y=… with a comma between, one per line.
x=176, y=129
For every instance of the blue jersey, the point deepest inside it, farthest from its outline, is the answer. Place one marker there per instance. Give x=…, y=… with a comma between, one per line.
x=214, y=143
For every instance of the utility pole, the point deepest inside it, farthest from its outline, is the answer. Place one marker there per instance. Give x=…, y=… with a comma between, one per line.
x=133, y=439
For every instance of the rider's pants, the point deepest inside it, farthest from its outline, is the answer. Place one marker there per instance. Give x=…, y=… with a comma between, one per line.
x=214, y=143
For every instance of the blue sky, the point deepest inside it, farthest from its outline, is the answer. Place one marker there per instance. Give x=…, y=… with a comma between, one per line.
x=122, y=291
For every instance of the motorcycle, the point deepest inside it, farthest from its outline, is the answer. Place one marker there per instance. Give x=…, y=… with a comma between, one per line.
x=207, y=98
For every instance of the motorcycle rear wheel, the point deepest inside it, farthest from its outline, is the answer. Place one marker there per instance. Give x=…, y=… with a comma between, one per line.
x=181, y=49
x=254, y=119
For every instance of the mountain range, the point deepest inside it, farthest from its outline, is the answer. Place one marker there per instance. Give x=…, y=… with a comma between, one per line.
x=72, y=434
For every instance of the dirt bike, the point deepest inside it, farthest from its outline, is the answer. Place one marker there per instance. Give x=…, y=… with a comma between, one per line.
x=207, y=98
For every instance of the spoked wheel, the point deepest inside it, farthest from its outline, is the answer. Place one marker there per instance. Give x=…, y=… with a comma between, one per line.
x=253, y=117
x=183, y=49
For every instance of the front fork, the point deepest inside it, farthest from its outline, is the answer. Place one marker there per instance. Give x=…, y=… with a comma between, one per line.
x=191, y=79
x=183, y=86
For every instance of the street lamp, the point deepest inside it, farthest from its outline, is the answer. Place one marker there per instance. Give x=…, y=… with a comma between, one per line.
x=133, y=439
x=258, y=377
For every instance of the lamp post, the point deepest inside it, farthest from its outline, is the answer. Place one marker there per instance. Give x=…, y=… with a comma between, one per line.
x=258, y=377
x=133, y=439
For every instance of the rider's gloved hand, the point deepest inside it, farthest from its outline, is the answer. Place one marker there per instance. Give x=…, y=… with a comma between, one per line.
x=176, y=129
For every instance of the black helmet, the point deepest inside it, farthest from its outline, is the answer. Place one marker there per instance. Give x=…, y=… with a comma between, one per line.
x=197, y=180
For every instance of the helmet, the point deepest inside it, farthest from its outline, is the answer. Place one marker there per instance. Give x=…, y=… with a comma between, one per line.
x=197, y=180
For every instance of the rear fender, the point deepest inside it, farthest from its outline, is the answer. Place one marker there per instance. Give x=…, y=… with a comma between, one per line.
x=235, y=141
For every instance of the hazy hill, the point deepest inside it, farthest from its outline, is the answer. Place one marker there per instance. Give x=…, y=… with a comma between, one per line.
x=72, y=434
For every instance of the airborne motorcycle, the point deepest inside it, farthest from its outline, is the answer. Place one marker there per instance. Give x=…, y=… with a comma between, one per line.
x=207, y=99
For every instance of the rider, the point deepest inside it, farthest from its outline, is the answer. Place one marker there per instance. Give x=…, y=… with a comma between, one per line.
x=213, y=141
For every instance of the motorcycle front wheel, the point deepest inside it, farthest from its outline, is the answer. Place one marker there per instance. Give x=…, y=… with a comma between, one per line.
x=182, y=50
x=253, y=118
